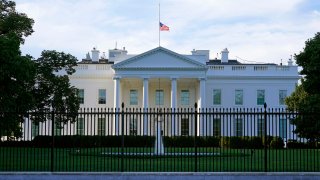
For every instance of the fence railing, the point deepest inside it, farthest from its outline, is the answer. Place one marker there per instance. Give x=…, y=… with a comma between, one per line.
x=170, y=140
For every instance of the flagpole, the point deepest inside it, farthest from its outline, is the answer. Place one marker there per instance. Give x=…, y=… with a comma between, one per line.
x=159, y=25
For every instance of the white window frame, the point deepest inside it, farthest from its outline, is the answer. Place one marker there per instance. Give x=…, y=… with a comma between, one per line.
x=102, y=99
x=217, y=96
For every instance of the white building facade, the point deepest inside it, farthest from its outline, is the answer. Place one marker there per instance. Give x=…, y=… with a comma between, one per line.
x=161, y=78
x=181, y=80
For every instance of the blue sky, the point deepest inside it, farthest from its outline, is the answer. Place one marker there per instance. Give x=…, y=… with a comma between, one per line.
x=255, y=31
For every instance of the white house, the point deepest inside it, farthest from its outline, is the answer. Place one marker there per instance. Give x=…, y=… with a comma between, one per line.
x=163, y=78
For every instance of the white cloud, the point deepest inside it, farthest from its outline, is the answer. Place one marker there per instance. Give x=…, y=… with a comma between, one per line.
x=264, y=31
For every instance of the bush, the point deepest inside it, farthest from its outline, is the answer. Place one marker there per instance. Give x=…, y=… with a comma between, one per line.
x=241, y=142
x=16, y=144
x=276, y=143
x=93, y=141
x=255, y=142
x=188, y=141
x=294, y=144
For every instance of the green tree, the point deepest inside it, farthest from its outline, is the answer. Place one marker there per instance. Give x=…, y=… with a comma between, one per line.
x=53, y=90
x=16, y=72
x=306, y=98
x=13, y=22
x=27, y=84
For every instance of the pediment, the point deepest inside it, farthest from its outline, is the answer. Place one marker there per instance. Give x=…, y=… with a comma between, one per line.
x=159, y=58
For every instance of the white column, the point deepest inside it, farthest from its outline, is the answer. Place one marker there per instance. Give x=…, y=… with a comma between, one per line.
x=174, y=127
x=202, y=121
x=116, y=104
x=145, y=104
x=202, y=93
x=173, y=93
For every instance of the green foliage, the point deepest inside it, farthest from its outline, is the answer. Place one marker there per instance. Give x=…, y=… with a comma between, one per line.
x=243, y=142
x=16, y=84
x=294, y=144
x=306, y=98
x=188, y=141
x=13, y=22
x=296, y=99
x=27, y=84
x=309, y=60
x=93, y=141
x=53, y=90
x=276, y=143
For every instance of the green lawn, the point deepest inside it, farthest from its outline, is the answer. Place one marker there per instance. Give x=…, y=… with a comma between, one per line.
x=91, y=159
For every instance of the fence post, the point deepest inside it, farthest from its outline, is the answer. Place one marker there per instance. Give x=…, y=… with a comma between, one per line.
x=195, y=137
x=122, y=137
x=265, y=139
x=52, y=141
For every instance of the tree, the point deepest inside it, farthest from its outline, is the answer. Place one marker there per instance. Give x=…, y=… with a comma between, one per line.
x=306, y=97
x=52, y=89
x=27, y=84
x=13, y=22
x=16, y=72
x=16, y=83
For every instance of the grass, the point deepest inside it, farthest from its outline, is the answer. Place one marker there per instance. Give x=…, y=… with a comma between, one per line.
x=91, y=159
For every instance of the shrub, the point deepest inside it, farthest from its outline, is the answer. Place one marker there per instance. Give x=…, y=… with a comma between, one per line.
x=276, y=143
x=294, y=144
x=93, y=141
x=241, y=142
x=188, y=141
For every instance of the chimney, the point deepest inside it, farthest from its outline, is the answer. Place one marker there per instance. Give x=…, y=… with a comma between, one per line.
x=224, y=55
x=204, y=53
x=290, y=62
x=95, y=54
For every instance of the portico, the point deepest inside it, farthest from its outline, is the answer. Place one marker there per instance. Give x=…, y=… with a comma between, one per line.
x=159, y=78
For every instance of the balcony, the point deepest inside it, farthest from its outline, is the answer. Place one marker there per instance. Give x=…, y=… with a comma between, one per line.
x=252, y=70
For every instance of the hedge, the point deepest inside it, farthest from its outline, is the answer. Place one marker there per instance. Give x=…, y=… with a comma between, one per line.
x=294, y=144
x=94, y=141
x=83, y=141
x=188, y=141
x=242, y=142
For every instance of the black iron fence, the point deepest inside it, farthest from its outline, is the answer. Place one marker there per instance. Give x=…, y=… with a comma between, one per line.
x=170, y=140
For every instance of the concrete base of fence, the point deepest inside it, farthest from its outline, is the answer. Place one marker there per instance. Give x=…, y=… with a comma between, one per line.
x=159, y=176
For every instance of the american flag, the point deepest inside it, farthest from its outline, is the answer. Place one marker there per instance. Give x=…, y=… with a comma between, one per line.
x=163, y=27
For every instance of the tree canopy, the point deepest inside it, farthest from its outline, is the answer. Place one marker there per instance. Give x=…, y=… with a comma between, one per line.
x=13, y=22
x=28, y=84
x=306, y=97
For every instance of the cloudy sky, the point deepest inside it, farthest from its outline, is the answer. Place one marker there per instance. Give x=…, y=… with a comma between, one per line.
x=252, y=30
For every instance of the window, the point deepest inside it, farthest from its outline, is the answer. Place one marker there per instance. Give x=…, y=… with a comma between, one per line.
x=159, y=97
x=81, y=96
x=282, y=96
x=184, y=126
x=283, y=128
x=57, y=129
x=102, y=96
x=35, y=130
x=260, y=127
x=238, y=126
x=238, y=99
x=133, y=97
x=101, y=126
x=185, y=97
x=260, y=97
x=216, y=96
x=80, y=126
x=133, y=126
x=217, y=127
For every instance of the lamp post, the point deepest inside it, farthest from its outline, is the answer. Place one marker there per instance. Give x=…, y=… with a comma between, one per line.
x=159, y=148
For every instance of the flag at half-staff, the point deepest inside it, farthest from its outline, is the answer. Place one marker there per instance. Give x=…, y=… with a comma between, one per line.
x=163, y=27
